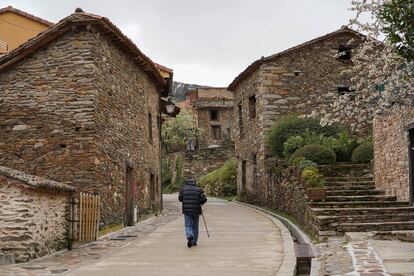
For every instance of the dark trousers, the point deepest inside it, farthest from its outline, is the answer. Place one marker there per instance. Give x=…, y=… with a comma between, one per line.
x=191, y=226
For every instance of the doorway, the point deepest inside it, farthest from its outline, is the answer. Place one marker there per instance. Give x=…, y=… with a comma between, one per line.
x=243, y=178
x=129, y=197
x=411, y=163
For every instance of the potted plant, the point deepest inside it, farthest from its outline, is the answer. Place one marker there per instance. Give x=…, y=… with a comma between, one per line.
x=315, y=184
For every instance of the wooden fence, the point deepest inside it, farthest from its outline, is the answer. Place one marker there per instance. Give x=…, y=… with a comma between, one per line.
x=89, y=213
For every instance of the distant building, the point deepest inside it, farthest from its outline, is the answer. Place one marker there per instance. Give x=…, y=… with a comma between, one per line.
x=81, y=104
x=294, y=81
x=17, y=27
x=213, y=113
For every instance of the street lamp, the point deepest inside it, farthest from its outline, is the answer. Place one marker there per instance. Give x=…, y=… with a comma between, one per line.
x=170, y=106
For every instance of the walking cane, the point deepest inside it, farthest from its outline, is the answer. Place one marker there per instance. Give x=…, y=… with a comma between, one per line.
x=205, y=224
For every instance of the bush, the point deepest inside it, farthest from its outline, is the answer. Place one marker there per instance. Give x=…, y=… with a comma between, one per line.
x=289, y=126
x=297, y=161
x=314, y=178
x=222, y=181
x=343, y=146
x=319, y=154
x=292, y=144
x=307, y=164
x=363, y=154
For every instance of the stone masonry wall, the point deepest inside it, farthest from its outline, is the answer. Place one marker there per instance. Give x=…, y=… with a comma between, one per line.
x=33, y=222
x=225, y=122
x=293, y=83
x=200, y=162
x=391, y=146
x=125, y=97
x=76, y=111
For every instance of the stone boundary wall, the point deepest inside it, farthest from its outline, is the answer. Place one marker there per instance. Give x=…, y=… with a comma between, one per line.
x=33, y=215
x=200, y=162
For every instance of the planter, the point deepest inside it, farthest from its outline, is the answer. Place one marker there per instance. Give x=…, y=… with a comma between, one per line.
x=316, y=194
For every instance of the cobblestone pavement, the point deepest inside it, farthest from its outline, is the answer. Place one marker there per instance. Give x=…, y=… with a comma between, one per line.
x=356, y=254
x=65, y=261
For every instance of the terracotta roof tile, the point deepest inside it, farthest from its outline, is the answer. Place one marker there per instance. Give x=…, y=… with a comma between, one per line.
x=25, y=14
x=79, y=19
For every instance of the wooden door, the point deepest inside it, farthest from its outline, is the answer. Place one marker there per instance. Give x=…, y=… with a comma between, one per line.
x=129, y=197
x=411, y=163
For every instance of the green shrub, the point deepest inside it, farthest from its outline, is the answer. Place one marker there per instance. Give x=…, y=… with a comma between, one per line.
x=319, y=154
x=222, y=181
x=292, y=144
x=343, y=146
x=314, y=178
x=307, y=164
x=297, y=161
x=289, y=126
x=363, y=154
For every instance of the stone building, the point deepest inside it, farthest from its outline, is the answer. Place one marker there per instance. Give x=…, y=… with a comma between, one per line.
x=16, y=27
x=393, y=135
x=80, y=104
x=294, y=81
x=213, y=113
x=33, y=215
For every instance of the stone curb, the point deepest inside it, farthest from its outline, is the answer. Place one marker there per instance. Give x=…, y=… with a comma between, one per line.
x=288, y=265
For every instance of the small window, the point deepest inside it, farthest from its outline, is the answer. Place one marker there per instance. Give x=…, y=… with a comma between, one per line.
x=344, y=53
x=252, y=106
x=214, y=115
x=150, y=127
x=216, y=132
x=342, y=90
x=240, y=113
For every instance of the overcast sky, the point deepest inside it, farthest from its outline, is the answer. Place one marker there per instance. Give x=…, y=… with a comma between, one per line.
x=206, y=42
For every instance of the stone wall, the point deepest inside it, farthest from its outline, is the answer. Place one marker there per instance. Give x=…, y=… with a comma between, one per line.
x=200, y=162
x=33, y=215
x=76, y=111
x=225, y=122
x=125, y=98
x=295, y=82
x=391, y=150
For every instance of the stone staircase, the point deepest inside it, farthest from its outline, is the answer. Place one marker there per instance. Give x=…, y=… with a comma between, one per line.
x=353, y=204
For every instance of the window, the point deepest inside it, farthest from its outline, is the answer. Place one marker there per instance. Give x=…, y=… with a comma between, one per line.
x=342, y=90
x=152, y=187
x=214, y=115
x=240, y=112
x=344, y=53
x=150, y=127
x=252, y=106
x=216, y=132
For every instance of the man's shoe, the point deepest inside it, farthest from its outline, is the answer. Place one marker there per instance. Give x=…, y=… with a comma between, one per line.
x=189, y=242
x=194, y=244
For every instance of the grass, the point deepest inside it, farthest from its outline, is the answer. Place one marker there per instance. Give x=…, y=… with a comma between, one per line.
x=110, y=229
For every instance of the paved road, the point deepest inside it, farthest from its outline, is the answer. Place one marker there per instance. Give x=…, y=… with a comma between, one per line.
x=242, y=242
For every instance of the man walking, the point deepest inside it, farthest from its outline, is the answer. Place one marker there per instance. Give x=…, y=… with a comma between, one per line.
x=192, y=198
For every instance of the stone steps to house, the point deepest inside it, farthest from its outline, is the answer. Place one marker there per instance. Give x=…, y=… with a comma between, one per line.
x=330, y=221
x=345, y=169
x=362, y=211
x=356, y=204
x=354, y=192
x=366, y=187
x=347, y=179
x=375, y=226
x=360, y=198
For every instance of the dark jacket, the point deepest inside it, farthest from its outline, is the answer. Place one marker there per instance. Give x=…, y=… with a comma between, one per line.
x=192, y=198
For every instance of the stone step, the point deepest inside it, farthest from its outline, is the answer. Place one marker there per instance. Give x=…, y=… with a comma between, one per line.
x=375, y=226
x=351, y=187
x=329, y=221
x=376, y=198
x=353, y=192
x=357, y=204
x=340, y=169
x=347, y=179
x=361, y=211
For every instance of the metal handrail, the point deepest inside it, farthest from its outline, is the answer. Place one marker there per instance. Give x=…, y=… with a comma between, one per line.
x=4, y=45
